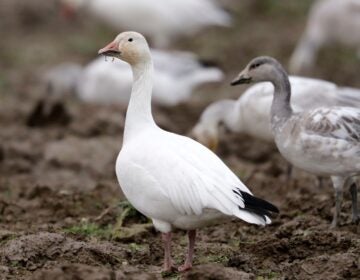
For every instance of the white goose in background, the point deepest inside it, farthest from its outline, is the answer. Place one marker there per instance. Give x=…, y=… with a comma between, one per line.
x=162, y=20
x=173, y=179
x=324, y=141
x=329, y=22
x=250, y=114
x=61, y=80
x=110, y=83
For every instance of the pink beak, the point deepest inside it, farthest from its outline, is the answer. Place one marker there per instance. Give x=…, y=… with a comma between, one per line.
x=110, y=49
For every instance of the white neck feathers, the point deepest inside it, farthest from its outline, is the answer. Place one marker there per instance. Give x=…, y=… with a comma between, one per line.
x=138, y=115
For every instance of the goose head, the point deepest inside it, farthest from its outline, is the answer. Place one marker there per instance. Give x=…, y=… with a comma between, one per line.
x=260, y=69
x=207, y=134
x=218, y=116
x=130, y=47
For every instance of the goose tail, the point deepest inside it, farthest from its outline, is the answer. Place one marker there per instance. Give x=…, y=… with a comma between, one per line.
x=256, y=210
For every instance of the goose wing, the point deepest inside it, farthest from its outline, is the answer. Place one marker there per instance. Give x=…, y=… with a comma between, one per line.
x=341, y=123
x=347, y=96
x=193, y=179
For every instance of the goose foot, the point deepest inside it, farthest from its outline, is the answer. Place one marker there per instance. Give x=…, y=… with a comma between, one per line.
x=169, y=268
x=185, y=267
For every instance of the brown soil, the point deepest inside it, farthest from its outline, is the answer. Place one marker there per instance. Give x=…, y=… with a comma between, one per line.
x=57, y=169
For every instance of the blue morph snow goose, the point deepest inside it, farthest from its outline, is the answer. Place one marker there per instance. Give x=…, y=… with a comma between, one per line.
x=172, y=179
x=250, y=114
x=324, y=141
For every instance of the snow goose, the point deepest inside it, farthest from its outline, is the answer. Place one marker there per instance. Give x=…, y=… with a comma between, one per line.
x=61, y=79
x=330, y=21
x=109, y=83
x=173, y=179
x=324, y=141
x=161, y=20
x=250, y=114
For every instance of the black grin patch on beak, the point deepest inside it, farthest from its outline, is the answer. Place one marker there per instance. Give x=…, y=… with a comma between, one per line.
x=241, y=81
x=111, y=53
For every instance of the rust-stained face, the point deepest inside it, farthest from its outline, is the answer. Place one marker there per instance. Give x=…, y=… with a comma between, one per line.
x=206, y=137
x=213, y=144
x=128, y=46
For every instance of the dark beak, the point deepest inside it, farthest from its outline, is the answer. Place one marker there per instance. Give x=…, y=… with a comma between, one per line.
x=110, y=50
x=242, y=78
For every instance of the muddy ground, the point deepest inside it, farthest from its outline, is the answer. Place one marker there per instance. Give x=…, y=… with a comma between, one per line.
x=62, y=214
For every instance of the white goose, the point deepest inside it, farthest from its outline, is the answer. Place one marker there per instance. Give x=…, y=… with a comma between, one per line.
x=61, y=79
x=169, y=178
x=329, y=22
x=324, y=141
x=161, y=20
x=108, y=83
x=250, y=114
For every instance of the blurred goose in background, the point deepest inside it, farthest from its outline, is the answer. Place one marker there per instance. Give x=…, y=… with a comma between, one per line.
x=250, y=114
x=110, y=83
x=169, y=178
x=61, y=80
x=329, y=22
x=162, y=20
x=324, y=141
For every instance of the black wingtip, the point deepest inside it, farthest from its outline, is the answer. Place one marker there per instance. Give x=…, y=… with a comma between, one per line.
x=257, y=205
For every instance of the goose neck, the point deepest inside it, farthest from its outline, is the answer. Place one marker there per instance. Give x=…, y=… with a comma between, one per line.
x=281, y=108
x=138, y=115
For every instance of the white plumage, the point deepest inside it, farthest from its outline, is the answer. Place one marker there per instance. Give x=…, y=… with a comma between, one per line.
x=172, y=179
x=183, y=176
x=329, y=22
x=162, y=20
x=109, y=82
x=61, y=79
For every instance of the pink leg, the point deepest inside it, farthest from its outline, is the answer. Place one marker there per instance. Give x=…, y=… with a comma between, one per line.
x=168, y=264
x=189, y=258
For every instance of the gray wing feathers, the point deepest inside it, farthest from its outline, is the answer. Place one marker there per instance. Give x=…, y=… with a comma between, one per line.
x=340, y=123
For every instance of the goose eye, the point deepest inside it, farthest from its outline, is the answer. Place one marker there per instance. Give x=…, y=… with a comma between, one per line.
x=130, y=39
x=255, y=65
